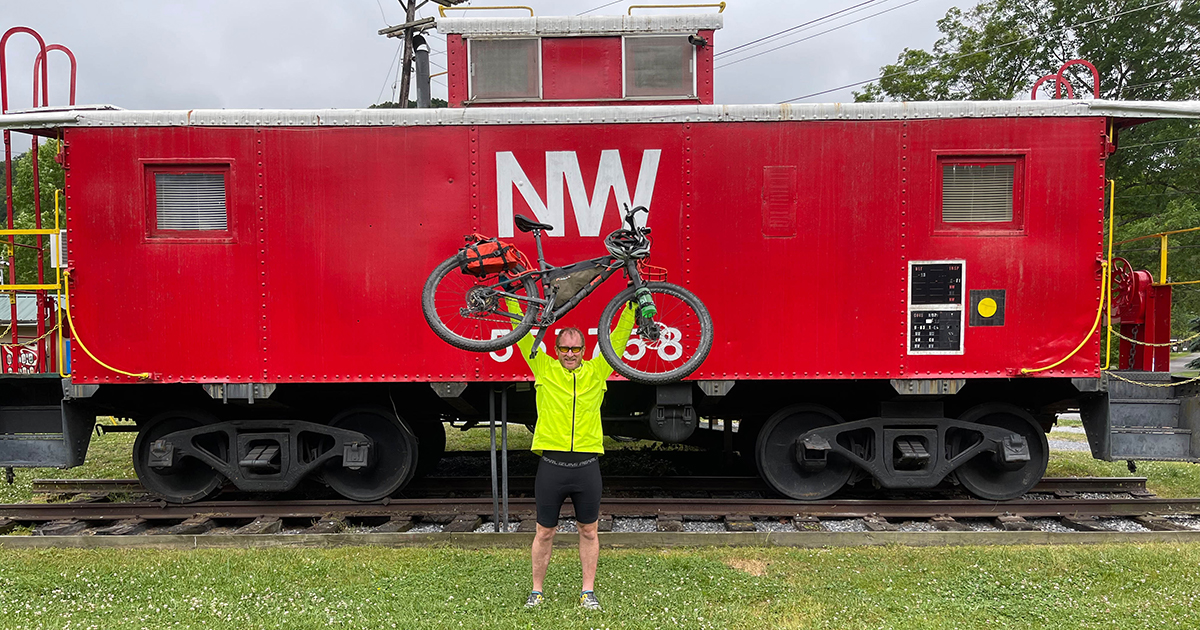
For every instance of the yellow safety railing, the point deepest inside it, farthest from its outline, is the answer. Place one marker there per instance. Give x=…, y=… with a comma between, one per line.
x=12, y=289
x=1162, y=254
x=719, y=6
x=442, y=9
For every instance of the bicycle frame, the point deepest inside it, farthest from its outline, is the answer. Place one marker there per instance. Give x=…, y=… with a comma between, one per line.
x=544, y=300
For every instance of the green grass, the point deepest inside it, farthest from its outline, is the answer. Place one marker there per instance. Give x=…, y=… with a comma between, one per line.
x=110, y=456
x=1167, y=479
x=1110, y=586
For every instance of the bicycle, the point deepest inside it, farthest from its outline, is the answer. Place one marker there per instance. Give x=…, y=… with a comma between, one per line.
x=488, y=296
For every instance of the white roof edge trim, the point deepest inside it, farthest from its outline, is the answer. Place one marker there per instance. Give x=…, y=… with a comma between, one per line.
x=579, y=25
x=597, y=115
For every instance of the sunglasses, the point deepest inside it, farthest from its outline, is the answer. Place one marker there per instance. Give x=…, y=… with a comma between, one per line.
x=565, y=349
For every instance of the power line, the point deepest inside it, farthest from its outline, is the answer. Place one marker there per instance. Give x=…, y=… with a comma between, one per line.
x=600, y=7
x=804, y=39
x=789, y=30
x=381, y=13
x=1130, y=87
x=997, y=47
x=1147, y=144
x=389, y=72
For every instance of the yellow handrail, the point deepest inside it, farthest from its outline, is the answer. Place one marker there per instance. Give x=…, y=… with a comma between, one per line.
x=79, y=340
x=1162, y=254
x=442, y=9
x=1112, y=227
x=30, y=232
x=1105, y=296
x=719, y=5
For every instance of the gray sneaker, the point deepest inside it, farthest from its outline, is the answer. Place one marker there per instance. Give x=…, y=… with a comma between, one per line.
x=588, y=600
x=535, y=600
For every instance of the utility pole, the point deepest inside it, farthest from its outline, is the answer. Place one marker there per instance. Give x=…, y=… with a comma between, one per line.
x=406, y=30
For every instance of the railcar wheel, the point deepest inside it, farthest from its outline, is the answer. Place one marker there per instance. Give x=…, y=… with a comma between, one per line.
x=187, y=479
x=987, y=478
x=468, y=312
x=775, y=454
x=392, y=460
x=431, y=445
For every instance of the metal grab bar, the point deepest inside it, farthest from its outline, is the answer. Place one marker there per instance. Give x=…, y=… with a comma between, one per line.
x=1058, y=83
x=442, y=9
x=720, y=6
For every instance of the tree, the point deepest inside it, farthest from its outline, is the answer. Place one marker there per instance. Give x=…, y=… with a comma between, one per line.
x=433, y=102
x=1142, y=50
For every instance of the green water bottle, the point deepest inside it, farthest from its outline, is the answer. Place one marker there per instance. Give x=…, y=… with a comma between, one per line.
x=645, y=302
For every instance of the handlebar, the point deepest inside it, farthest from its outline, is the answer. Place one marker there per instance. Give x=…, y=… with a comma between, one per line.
x=630, y=214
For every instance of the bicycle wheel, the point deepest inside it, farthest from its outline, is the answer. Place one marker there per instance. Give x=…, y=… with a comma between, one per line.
x=468, y=312
x=685, y=336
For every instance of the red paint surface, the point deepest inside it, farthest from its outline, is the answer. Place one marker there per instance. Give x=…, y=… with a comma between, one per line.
x=581, y=68
x=335, y=229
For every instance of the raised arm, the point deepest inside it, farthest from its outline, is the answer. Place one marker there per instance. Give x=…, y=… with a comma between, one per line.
x=619, y=337
x=525, y=345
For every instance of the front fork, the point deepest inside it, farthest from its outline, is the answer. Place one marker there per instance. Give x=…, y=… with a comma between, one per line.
x=643, y=301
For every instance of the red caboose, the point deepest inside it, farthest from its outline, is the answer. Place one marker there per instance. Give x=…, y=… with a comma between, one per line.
x=905, y=292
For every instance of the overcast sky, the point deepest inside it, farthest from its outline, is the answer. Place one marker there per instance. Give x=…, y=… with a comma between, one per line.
x=162, y=54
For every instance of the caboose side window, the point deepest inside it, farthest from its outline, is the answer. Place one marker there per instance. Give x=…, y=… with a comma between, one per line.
x=504, y=69
x=660, y=66
x=188, y=201
x=981, y=195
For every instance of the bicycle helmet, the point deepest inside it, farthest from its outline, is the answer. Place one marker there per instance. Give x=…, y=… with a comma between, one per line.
x=627, y=244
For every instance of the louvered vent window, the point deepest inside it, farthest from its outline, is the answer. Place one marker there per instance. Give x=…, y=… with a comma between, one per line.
x=505, y=69
x=190, y=201
x=659, y=66
x=977, y=193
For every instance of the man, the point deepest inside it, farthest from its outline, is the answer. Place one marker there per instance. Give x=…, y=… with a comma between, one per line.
x=569, y=438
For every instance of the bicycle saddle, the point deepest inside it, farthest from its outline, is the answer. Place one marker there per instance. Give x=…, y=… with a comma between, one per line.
x=526, y=225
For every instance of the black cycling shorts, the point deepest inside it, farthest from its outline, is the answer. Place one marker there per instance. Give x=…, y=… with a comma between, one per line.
x=555, y=483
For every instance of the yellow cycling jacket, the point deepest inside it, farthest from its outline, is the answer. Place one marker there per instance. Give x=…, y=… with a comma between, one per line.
x=568, y=402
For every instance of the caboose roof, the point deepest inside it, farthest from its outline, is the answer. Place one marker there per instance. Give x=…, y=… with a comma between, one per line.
x=563, y=26
x=108, y=116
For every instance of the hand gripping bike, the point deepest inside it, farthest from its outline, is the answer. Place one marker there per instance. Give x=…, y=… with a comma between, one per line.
x=487, y=297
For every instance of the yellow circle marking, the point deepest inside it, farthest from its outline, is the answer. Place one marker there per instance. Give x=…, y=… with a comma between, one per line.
x=987, y=307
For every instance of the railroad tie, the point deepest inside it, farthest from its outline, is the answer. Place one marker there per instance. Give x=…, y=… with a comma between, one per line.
x=669, y=523
x=126, y=527
x=7, y=525
x=394, y=525
x=739, y=523
x=327, y=525
x=1014, y=523
x=261, y=525
x=946, y=523
x=199, y=524
x=463, y=523
x=1083, y=523
x=60, y=528
x=1160, y=524
x=605, y=523
x=876, y=523
x=806, y=523
x=528, y=525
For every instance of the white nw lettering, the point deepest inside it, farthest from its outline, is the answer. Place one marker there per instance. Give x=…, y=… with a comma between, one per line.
x=562, y=167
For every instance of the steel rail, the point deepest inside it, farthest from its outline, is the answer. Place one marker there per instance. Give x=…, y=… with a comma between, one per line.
x=688, y=509
x=612, y=483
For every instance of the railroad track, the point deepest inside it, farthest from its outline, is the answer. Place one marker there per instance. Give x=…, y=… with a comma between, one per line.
x=685, y=486
x=1074, y=504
